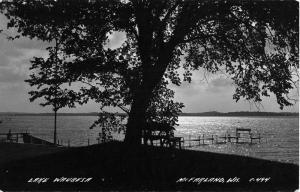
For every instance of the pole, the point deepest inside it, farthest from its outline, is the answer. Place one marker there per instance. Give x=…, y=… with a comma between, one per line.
x=55, y=134
x=56, y=89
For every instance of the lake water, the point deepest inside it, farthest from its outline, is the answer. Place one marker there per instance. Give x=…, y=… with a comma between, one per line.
x=280, y=135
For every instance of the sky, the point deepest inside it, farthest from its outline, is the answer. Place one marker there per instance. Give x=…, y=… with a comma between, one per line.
x=211, y=94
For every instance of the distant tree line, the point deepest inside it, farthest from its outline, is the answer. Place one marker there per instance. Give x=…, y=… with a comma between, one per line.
x=241, y=113
x=211, y=113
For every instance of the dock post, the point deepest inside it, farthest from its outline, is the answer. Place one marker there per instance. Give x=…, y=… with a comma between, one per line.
x=203, y=139
x=179, y=143
x=212, y=139
x=199, y=140
x=190, y=141
x=259, y=137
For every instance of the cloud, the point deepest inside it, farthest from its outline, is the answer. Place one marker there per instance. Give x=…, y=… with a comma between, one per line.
x=10, y=75
x=116, y=39
x=4, y=60
x=16, y=68
x=219, y=84
x=27, y=43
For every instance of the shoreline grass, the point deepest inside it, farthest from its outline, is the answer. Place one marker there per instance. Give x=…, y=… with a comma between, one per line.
x=18, y=151
x=116, y=166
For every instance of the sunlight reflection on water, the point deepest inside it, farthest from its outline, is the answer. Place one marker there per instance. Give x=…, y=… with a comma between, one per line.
x=280, y=135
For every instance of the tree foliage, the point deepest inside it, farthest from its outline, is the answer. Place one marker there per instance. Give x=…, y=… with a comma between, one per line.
x=48, y=77
x=255, y=42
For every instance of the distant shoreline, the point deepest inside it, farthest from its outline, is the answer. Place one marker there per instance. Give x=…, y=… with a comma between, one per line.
x=204, y=114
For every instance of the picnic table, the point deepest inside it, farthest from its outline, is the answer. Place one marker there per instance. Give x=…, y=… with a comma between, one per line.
x=161, y=132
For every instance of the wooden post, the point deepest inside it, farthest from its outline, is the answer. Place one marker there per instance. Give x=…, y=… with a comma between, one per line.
x=179, y=143
x=199, y=140
x=190, y=141
x=203, y=139
x=212, y=139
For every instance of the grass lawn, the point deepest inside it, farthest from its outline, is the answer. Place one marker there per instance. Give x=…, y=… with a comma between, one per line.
x=15, y=151
x=116, y=166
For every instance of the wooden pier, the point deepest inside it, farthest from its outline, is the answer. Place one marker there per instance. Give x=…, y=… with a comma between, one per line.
x=240, y=136
x=12, y=137
x=23, y=137
x=156, y=138
x=204, y=140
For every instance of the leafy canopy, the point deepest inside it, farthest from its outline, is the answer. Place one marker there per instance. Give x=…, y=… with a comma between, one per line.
x=255, y=42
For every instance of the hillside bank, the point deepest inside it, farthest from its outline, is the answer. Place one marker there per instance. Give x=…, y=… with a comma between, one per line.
x=116, y=166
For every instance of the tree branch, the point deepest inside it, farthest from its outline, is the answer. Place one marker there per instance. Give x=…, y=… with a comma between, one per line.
x=196, y=38
x=118, y=105
x=164, y=20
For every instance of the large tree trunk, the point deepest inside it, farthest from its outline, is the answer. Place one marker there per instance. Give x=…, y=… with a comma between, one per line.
x=137, y=117
x=142, y=99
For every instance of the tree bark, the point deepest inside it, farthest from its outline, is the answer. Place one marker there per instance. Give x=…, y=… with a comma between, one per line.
x=152, y=74
x=137, y=117
x=142, y=99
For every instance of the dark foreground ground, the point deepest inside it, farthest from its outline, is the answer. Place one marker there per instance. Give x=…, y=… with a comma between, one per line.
x=115, y=166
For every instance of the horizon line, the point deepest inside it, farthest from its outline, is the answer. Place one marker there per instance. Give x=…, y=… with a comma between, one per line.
x=125, y=113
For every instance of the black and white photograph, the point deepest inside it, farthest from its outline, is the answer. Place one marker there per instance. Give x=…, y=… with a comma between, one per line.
x=149, y=95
